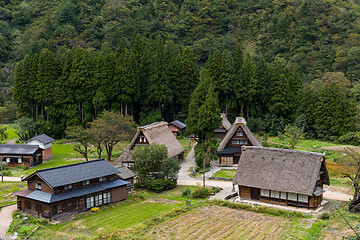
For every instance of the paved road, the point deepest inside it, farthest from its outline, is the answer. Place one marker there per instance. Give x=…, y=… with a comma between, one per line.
x=5, y=219
x=11, y=179
x=185, y=179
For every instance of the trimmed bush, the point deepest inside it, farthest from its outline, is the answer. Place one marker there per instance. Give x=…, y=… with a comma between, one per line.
x=186, y=192
x=160, y=184
x=201, y=193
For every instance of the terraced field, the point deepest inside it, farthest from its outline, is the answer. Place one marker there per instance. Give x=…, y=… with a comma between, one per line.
x=217, y=222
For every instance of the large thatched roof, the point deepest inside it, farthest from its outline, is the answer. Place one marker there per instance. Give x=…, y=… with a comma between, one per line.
x=239, y=122
x=280, y=170
x=159, y=133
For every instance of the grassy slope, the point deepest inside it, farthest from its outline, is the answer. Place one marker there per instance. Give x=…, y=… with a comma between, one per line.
x=6, y=190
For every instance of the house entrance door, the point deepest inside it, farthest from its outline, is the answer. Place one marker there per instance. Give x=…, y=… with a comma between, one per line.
x=255, y=193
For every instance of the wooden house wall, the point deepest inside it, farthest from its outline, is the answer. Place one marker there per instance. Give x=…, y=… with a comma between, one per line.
x=44, y=186
x=283, y=198
x=47, y=153
x=234, y=137
x=119, y=193
x=137, y=142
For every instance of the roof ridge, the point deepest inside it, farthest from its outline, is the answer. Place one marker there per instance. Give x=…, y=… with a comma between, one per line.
x=46, y=169
x=282, y=150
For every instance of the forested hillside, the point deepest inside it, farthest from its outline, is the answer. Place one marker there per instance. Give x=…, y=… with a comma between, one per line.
x=274, y=62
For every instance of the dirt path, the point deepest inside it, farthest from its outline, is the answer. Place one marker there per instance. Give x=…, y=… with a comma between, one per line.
x=12, y=141
x=5, y=219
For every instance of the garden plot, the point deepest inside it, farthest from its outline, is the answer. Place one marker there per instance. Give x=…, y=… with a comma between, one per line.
x=217, y=222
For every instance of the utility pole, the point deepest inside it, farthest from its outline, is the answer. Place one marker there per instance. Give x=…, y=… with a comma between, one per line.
x=2, y=173
x=207, y=158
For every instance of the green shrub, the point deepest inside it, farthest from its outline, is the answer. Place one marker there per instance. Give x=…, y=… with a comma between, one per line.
x=215, y=189
x=352, y=138
x=201, y=193
x=325, y=216
x=7, y=173
x=160, y=184
x=25, y=167
x=186, y=192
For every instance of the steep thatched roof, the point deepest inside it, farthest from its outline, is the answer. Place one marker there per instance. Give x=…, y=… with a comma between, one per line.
x=280, y=170
x=239, y=122
x=159, y=133
x=225, y=122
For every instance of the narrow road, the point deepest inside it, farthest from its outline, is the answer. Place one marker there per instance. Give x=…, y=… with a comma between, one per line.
x=11, y=179
x=5, y=219
x=185, y=179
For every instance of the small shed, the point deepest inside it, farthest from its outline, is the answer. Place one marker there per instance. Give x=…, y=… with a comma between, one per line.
x=127, y=175
x=281, y=176
x=44, y=142
x=15, y=154
x=176, y=126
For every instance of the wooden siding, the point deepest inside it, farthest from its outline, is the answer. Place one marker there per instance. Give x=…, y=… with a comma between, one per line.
x=251, y=194
x=119, y=194
x=234, y=137
x=44, y=186
x=47, y=153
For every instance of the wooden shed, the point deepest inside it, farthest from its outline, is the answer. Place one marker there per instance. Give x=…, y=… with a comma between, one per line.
x=44, y=142
x=16, y=154
x=281, y=176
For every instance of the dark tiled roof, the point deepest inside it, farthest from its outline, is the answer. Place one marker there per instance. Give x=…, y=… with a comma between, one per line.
x=42, y=138
x=231, y=150
x=50, y=198
x=64, y=175
x=13, y=149
x=178, y=124
x=125, y=173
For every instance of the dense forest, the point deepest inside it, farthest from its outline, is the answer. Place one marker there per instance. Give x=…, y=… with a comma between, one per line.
x=273, y=62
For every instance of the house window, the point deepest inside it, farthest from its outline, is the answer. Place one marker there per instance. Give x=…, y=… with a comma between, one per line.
x=226, y=160
x=90, y=201
x=86, y=182
x=303, y=198
x=38, y=186
x=243, y=142
x=67, y=187
x=239, y=133
x=98, y=199
x=69, y=206
x=107, y=197
x=275, y=194
x=101, y=179
x=235, y=142
x=264, y=192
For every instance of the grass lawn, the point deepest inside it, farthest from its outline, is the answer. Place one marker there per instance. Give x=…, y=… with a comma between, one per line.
x=225, y=173
x=6, y=190
x=306, y=143
x=10, y=131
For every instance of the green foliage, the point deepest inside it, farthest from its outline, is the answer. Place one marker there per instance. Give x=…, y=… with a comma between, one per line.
x=186, y=192
x=170, y=168
x=3, y=134
x=352, y=138
x=201, y=150
x=201, y=193
x=293, y=135
x=160, y=184
x=148, y=160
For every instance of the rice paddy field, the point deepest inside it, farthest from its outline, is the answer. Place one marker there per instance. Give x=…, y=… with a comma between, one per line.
x=6, y=190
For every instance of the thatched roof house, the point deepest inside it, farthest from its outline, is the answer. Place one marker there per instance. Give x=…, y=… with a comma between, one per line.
x=238, y=135
x=159, y=133
x=225, y=125
x=281, y=176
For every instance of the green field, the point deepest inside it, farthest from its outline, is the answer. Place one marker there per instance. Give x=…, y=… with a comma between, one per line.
x=225, y=173
x=306, y=143
x=10, y=131
x=6, y=190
